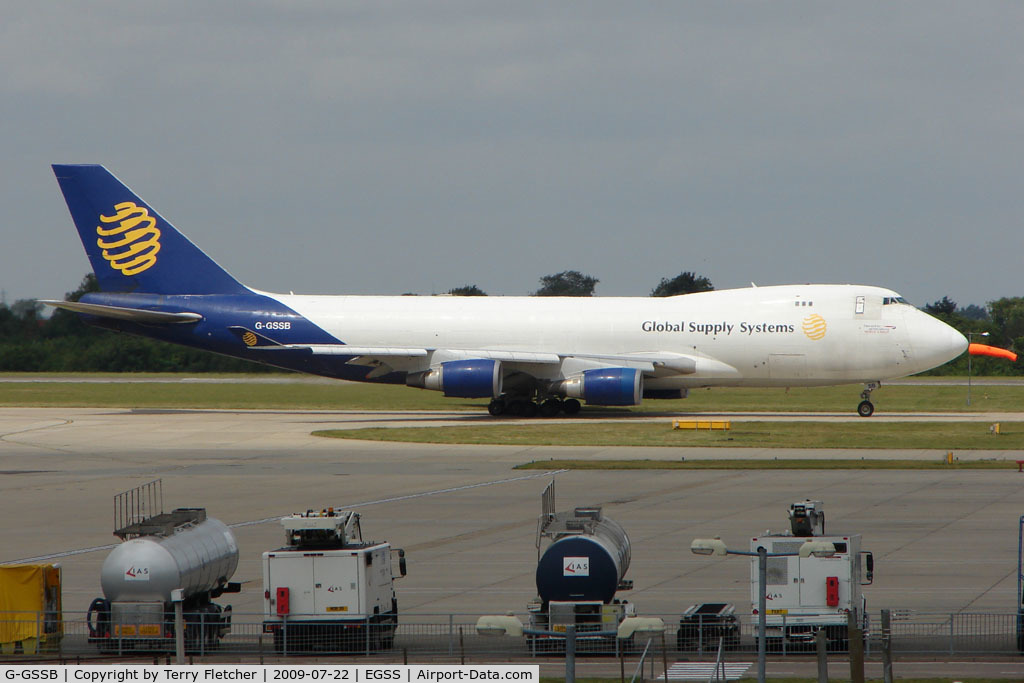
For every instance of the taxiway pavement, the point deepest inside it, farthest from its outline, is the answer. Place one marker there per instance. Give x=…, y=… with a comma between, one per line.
x=944, y=541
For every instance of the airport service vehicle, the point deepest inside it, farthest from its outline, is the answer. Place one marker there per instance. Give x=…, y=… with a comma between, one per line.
x=327, y=589
x=578, y=575
x=805, y=595
x=182, y=552
x=30, y=607
x=527, y=355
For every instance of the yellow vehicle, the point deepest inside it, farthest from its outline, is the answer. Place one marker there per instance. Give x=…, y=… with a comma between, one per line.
x=30, y=607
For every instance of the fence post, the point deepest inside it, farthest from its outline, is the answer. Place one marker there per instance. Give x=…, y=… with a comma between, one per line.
x=664, y=655
x=951, y=617
x=855, y=640
x=887, y=646
x=451, y=635
x=570, y=653
x=179, y=633
x=821, y=645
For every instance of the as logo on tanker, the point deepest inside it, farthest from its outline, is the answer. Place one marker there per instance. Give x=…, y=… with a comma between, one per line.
x=130, y=240
x=576, y=566
x=814, y=327
x=134, y=573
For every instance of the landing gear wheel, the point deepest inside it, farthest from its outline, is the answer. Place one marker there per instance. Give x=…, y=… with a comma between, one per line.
x=866, y=408
x=496, y=407
x=530, y=409
x=550, y=407
x=571, y=406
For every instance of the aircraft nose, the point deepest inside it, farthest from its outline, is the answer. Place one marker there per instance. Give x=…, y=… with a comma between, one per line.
x=934, y=342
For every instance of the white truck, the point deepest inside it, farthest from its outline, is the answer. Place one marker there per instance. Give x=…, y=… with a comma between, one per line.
x=327, y=590
x=805, y=595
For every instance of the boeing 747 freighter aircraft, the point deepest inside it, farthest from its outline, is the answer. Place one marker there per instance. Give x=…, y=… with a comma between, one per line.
x=527, y=354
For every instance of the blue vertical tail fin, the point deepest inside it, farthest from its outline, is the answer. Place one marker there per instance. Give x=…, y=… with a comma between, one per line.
x=130, y=246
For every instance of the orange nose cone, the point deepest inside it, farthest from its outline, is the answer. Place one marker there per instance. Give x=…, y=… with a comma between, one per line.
x=995, y=352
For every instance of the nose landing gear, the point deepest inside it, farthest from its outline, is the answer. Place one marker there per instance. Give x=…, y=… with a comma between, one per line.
x=866, y=408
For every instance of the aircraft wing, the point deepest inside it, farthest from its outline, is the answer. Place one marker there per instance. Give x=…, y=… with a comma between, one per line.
x=136, y=315
x=655, y=363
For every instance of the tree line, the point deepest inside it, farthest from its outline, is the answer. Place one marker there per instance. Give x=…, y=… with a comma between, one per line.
x=63, y=343
x=575, y=283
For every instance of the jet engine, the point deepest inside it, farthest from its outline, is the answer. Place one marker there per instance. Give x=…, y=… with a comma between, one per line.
x=471, y=378
x=605, y=386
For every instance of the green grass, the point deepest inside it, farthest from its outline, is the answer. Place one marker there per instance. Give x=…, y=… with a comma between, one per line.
x=861, y=434
x=201, y=394
x=773, y=464
x=345, y=396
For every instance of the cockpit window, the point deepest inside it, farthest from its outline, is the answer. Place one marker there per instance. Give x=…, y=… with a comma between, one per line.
x=886, y=301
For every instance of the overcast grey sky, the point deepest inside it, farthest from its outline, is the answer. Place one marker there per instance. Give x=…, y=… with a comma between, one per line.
x=389, y=147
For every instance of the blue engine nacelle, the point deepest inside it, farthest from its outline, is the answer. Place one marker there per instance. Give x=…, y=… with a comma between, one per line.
x=606, y=386
x=471, y=378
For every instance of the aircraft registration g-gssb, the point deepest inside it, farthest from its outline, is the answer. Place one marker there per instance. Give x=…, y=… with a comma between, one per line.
x=527, y=354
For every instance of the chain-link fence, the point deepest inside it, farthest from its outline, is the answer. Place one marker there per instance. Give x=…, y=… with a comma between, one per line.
x=418, y=637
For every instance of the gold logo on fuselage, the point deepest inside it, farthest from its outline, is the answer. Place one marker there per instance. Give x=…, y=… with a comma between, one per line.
x=136, y=239
x=814, y=327
x=249, y=338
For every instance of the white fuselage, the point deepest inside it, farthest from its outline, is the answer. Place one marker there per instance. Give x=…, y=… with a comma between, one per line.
x=789, y=335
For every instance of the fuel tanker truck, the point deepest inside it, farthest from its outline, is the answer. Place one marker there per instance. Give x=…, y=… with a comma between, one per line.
x=579, y=572
x=182, y=555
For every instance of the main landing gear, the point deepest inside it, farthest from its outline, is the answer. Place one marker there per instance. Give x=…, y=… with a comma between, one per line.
x=866, y=408
x=522, y=406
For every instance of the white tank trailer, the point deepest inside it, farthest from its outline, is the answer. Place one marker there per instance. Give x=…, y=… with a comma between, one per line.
x=578, y=576
x=184, y=551
x=587, y=561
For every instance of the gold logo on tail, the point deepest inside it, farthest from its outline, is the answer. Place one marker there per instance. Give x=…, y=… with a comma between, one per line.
x=814, y=327
x=249, y=338
x=136, y=239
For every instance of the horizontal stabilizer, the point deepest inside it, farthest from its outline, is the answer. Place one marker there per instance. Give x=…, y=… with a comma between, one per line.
x=136, y=315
